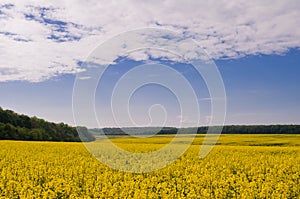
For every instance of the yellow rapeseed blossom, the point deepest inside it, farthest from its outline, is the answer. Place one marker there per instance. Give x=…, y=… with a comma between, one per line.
x=68, y=170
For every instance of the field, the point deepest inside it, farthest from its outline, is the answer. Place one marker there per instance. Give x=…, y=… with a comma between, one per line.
x=239, y=166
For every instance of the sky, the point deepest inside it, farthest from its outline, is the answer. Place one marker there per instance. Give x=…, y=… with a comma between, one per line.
x=255, y=47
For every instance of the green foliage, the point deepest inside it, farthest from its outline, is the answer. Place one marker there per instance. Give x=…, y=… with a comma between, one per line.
x=21, y=127
x=233, y=129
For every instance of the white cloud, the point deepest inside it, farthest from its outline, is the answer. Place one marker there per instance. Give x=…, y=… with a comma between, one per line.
x=30, y=29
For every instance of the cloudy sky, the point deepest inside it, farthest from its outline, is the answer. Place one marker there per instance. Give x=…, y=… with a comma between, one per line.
x=255, y=45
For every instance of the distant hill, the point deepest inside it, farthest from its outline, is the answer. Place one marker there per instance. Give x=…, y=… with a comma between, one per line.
x=233, y=129
x=14, y=126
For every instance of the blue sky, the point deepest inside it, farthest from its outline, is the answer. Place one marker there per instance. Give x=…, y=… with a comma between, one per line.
x=260, y=89
x=255, y=47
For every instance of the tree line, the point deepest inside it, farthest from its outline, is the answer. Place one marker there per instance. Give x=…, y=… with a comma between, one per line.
x=231, y=129
x=14, y=126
